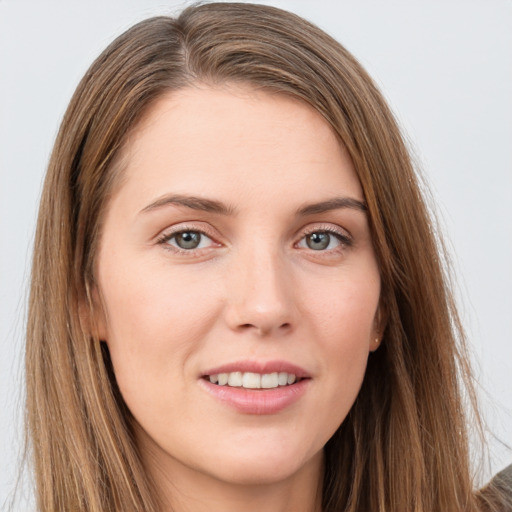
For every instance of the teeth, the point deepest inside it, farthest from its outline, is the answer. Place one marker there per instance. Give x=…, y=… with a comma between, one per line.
x=269, y=380
x=235, y=379
x=251, y=380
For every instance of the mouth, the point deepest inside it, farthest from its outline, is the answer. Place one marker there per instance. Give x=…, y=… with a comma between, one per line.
x=252, y=380
x=257, y=388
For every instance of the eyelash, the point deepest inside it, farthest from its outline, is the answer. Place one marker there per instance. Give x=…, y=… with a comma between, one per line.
x=166, y=237
x=344, y=239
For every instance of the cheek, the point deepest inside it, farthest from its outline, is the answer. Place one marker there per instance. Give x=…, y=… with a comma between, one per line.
x=154, y=322
x=148, y=301
x=345, y=307
x=344, y=320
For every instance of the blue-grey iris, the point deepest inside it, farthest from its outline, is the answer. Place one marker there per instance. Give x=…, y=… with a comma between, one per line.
x=318, y=241
x=188, y=239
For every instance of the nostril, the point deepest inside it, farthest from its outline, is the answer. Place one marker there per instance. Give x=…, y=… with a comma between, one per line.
x=265, y=329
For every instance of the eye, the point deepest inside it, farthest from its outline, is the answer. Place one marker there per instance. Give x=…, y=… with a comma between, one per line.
x=187, y=240
x=323, y=240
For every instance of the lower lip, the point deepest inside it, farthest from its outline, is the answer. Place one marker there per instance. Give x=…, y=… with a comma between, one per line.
x=257, y=401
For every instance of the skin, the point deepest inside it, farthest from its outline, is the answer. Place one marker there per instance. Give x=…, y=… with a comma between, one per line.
x=253, y=290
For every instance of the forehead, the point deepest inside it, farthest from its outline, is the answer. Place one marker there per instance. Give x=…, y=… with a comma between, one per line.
x=235, y=141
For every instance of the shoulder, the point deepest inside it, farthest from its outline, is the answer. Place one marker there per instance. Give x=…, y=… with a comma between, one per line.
x=497, y=494
x=504, y=479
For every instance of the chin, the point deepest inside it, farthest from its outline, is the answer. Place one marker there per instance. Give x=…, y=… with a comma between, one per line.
x=265, y=468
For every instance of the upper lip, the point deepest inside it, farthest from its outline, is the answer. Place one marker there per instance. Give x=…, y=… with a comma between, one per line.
x=261, y=367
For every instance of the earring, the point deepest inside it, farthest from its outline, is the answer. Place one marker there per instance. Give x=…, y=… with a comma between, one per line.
x=377, y=340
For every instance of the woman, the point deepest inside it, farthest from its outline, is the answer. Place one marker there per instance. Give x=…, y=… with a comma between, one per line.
x=237, y=295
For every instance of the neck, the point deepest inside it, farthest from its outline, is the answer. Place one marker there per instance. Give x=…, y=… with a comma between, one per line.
x=183, y=489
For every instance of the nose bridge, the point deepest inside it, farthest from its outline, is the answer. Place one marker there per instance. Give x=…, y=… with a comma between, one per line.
x=259, y=290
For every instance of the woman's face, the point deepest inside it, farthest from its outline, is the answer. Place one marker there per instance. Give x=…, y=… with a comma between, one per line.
x=237, y=248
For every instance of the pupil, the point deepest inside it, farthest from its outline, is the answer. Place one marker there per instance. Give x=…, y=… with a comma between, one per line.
x=318, y=241
x=188, y=239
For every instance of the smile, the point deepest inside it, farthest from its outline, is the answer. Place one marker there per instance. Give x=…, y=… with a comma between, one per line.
x=259, y=388
x=251, y=380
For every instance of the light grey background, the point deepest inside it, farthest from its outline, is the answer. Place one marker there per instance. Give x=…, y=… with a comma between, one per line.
x=445, y=67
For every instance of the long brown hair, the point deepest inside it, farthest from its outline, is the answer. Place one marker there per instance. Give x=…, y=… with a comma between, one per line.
x=403, y=445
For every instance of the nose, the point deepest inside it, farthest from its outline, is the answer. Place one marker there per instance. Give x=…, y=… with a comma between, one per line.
x=260, y=295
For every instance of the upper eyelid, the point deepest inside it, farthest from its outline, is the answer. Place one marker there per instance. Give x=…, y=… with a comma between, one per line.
x=327, y=227
x=169, y=235
x=182, y=227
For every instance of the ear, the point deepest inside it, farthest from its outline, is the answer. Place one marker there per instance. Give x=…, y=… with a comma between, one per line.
x=379, y=326
x=92, y=313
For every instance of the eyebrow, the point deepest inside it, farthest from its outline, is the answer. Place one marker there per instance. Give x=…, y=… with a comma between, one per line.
x=213, y=206
x=192, y=202
x=332, y=204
